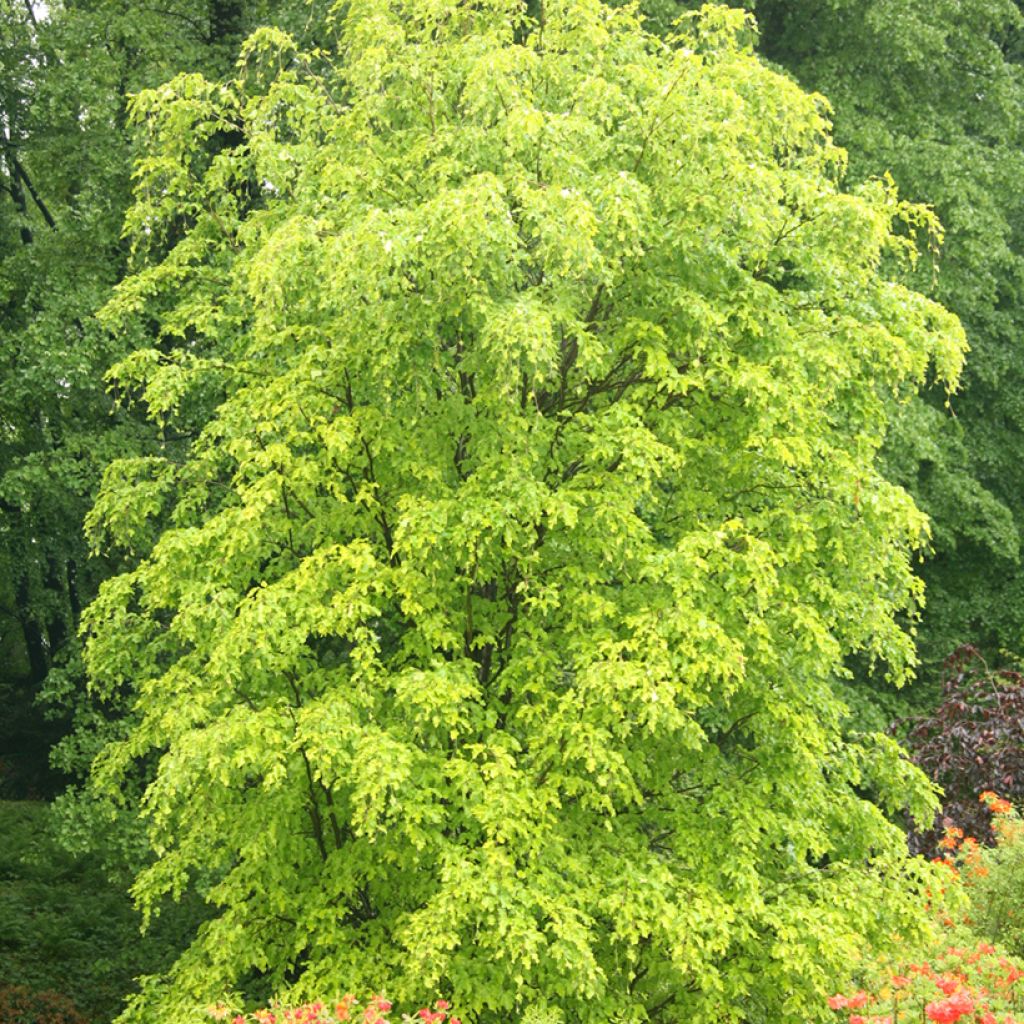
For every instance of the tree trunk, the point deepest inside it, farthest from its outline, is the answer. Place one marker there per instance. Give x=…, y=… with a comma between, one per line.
x=35, y=644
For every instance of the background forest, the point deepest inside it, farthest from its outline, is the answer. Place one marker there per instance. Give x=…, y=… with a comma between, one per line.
x=929, y=93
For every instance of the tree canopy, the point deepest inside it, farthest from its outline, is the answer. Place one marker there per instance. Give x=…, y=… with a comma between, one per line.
x=932, y=93
x=484, y=635
x=66, y=154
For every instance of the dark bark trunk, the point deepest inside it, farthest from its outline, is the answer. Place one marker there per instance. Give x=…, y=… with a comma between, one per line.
x=21, y=173
x=35, y=645
x=57, y=625
x=17, y=193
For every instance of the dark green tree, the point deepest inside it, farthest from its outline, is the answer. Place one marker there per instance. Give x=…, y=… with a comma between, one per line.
x=66, y=151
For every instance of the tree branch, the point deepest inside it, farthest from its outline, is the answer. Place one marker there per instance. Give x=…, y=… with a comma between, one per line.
x=21, y=172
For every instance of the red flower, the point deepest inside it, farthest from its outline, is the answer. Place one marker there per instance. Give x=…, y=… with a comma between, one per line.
x=949, y=1011
x=857, y=1000
x=836, y=1002
x=996, y=804
x=941, y=1012
x=963, y=1002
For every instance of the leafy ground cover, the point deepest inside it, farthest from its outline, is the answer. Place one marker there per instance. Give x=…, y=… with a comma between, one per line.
x=69, y=942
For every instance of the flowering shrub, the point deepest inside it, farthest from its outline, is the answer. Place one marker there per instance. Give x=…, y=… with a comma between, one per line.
x=965, y=977
x=339, y=1011
x=22, y=1005
x=994, y=877
x=975, y=984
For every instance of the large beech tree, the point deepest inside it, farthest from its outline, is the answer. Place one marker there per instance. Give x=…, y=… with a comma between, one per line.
x=484, y=642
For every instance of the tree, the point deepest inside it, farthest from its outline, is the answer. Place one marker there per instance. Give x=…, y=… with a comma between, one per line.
x=485, y=640
x=65, y=166
x=932, y=93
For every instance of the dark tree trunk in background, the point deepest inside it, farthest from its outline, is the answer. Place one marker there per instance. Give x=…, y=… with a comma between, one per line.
x=17, y=192
x=35, y=644
x=57, y=623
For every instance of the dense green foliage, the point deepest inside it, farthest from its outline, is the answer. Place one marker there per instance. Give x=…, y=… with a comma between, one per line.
x=932, y=92
x=66, y=160
x=65, y=165
x=485, y=638
x=500, y=479
x=68, y=929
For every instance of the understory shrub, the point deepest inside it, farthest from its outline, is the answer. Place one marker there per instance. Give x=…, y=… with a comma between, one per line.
x=67, y=925
x=973, y=983
x=972, y=971
x=993, y=877
x=972, y=742
x=21, y=1005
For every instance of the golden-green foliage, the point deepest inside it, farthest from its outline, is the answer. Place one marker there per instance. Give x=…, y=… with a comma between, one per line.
x=485, y=640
